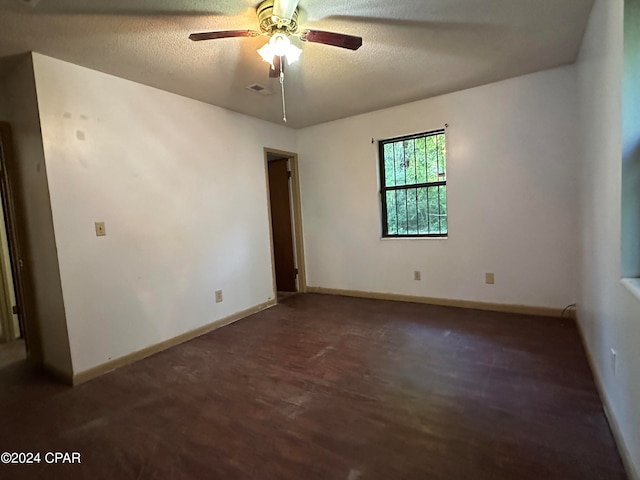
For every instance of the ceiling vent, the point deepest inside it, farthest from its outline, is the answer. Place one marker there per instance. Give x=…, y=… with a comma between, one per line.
x=259, y=89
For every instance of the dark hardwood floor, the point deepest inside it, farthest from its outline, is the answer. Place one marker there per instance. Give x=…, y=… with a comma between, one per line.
x=326, y=387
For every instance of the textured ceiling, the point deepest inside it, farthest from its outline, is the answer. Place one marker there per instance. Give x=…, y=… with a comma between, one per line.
x=412, y=49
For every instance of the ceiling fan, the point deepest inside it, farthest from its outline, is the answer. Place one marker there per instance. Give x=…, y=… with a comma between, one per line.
x=278, y=20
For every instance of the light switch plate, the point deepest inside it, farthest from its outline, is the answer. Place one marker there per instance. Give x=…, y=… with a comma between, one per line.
x=100, y=230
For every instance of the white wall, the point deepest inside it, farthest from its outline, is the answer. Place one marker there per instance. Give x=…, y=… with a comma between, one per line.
x=181, y=187
x=40, y=257
x=512, y=197
x=609, y=314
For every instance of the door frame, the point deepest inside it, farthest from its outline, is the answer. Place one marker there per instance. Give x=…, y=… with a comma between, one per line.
x=296, y=217
x=18, y=248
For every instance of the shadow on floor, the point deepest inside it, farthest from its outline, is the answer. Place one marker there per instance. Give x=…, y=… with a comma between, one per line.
x=11, y=353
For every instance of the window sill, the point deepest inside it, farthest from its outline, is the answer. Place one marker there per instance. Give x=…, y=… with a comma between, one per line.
x=386, y=239
x=633, y=285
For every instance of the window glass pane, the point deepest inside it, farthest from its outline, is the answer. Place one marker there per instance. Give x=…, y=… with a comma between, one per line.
x=443, y=209
x=421, y=160
x=389, y=169
x=412, y=211
x=442, y=158
x=409, y=161
x=401, y=211
x=432, y=159
x=434, y=217
x=399, y=163
x=423, y=212
x=392, y=222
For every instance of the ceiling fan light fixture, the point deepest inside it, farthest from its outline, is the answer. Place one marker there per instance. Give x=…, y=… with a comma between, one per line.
x=280, y=45
x=266, y=52
x=293, y=53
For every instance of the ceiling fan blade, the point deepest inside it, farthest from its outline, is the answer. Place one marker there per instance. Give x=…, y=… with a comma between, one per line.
x=285, y=8
x=433, y=25
x=342, y=40
x=275, y=71
x=222, y=34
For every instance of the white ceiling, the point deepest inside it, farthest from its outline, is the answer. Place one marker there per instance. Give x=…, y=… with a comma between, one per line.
x=412, y=49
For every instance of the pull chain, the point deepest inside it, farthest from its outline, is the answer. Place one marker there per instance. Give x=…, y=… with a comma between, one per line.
x=284, y=108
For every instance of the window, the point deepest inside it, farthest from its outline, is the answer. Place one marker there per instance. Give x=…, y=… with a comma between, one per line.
x=413, y=184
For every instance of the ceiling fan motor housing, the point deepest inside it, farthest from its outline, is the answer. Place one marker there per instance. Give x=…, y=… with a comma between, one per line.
x=270, y=24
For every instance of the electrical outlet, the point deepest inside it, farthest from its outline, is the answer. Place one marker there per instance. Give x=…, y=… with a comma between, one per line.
x=218, y=296
x=614, y=360
x=489, y=278
x=416, y=275
x=100, y=229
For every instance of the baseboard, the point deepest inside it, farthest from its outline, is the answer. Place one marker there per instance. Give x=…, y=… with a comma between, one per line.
x=632, y=473
x=447, y=302
x=99, y=370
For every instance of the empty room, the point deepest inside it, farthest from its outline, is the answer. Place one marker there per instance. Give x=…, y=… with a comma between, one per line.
x=310, y=239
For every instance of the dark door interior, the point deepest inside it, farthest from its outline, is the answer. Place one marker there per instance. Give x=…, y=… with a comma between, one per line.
x=281, y=225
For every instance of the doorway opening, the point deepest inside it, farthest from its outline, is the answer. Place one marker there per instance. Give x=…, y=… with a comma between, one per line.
x=287, y=253
x=18, y=342
x=12, y=345
x=10, y=329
